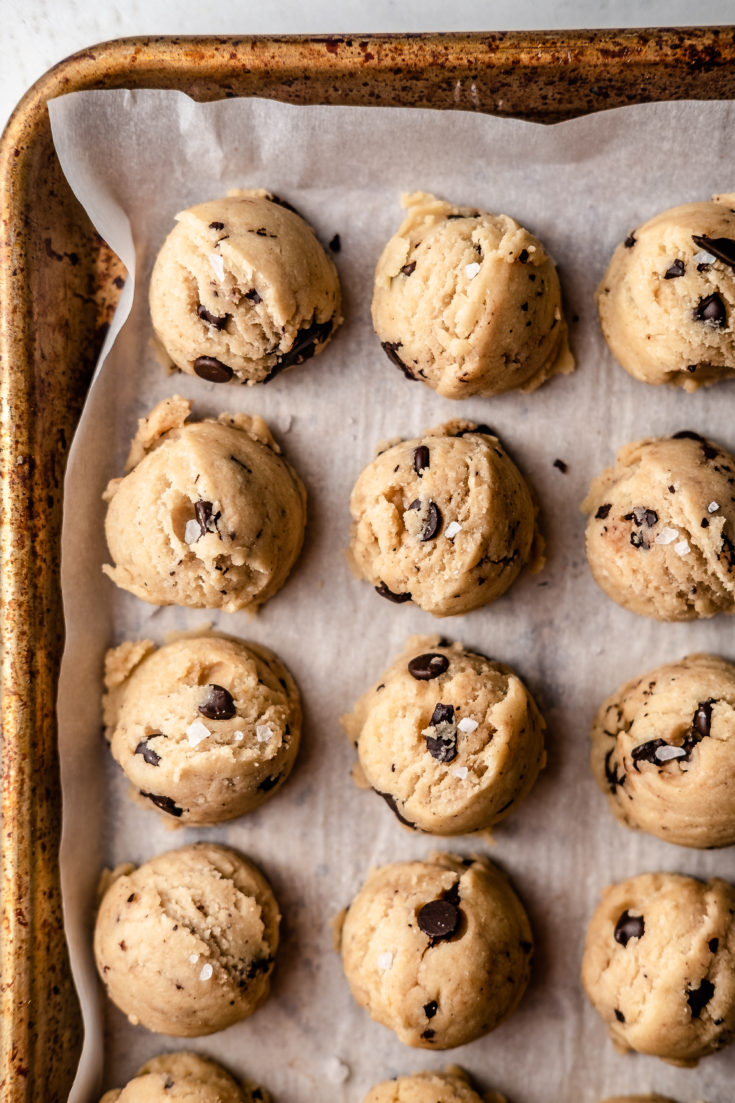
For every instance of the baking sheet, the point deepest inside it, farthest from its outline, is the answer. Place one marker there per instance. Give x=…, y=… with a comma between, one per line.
x=136, y=158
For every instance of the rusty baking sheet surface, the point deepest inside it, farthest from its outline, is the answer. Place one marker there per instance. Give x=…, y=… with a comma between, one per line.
x=58, y=287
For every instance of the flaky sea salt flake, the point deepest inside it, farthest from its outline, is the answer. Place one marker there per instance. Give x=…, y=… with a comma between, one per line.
x=713, y=507
x=192, y=532
x=703, y=257
x=467, y=725
x=460, y=772
x=217, y=264
x=666, y=536
x=666, y=754
x=385, y=961
x=264, y=732
x=471, y=270
x=452, y=529
x=206, y=973
x=196, y=732
x=238, y=736
x=682, y=548
x=193, y=958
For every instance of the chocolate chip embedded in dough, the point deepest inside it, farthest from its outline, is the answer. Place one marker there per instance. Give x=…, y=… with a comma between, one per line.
x=390, y=348
x=723, y=248
x=675, y=270
x=219, y=704
x=421, y=459
x=397, y=599
x=438, y=919
x=408, y=269
x=149, y=755
x=627, y=927
x=699, y=997
x=603, y=511
x=428, y=666
x=166, y=804
x=711, y=309
x=212, y=319
x=430, y=1009
x=211, y=369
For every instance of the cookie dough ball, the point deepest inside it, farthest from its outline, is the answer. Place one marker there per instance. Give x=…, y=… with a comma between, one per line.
x=242, y=289
x=452, y=741
x=427, y=1087
x=469, y=302
x=659, y=965
x=446, y=521
x=661, y=528
x=206, y=728
x=663, y=749
x=667, y=301
x=439, y=951
x=183, y=1078
x=209, y=514
x=185, y=944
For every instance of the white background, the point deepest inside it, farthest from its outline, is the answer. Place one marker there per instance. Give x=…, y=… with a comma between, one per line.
x=35, y=34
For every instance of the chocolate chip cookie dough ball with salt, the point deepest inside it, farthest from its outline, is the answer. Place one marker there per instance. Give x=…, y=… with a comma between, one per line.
x=661, y=528
x=185, y=943
x=659, y=965
x=209, y=514
x=183, y=1078
x=206, y=728
x=663, y=750
x=242, y=289
x=438, y=951
x=452, y=741
x=469, y=302
x=452, y=1086
x=667, y=300
x=446, y=520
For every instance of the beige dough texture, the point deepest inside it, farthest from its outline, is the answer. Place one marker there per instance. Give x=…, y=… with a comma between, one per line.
x=469, y=302
x=451, y=1086
x=205, y=728
x=659, y=965
x=242, y=289
x=185, y=944
x=209, y=514
x=663, y=749
x=661, y=528
x=452, y=741
x=184, y=1078
x=446, y=520
x=439, y=951
x=667, y=300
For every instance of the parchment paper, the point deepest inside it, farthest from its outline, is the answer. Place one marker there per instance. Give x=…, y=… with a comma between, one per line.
x=136, y=158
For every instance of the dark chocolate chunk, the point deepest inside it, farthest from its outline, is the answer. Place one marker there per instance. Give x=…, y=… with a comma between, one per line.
x=257, y=966
x=723, y=248
x=253, y=296
x=523, y=256
x=678, y=268
x=563, y=467
x=638, y=540
x=642, y=516
x=483, y=429
x=281, y=203
x=430, y=1009
x=420, y=459
x=438, y=919
x=442, y=747
x=629, y=926
x=219, y=704
x=269, y=783
x=391, y=802
x=398, y=599
x=408, y=269
x=216, y=225
x=433, y=522
x=214, y=371
x=166, y=804
x=211, y=319
x=702, y=721
x=390, y=349
x=629, y=241
x=304, y=346
x=428, y=1034
x=425, y=667
x=206, y=518
x=335, y=244
x=603, y=511
x=711, y=309
x=688, y=434
x=442, y=714
x=611, y=775
x=713, y=945
x=149, y=755
x=619, y=1016
x=698, y=998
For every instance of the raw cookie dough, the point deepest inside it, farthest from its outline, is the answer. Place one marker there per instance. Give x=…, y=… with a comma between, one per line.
x=667, y=300
x=242, y=289
x=183, y=1078
x=659, y=965
x=452, y=741
x=185, y=944
x=661, y=528
x=439, y=951
x=452, y=1086
x=663, y=749
x=205, y=728
x=209, y=514
x=468, y=302
x=446, y=520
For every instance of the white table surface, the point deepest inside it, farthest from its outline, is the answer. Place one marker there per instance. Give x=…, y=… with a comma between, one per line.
x=35, y=34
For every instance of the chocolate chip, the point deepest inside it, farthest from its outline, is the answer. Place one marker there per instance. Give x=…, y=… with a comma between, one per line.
x=563, y=467
x=627, y=927
x=642, y=516
x=253, y=296
x=442, y=714
x=523, y=256
x=603, y=511
x=698, y=998
x=425, y=667
x=438, y=919
x=483, y=429
x=408, y=269
x=629, y=241
x=721, y=247
x=335, y=244
x=619, y=1016
x=219, y=704
x=216, y=225
x=269, y=783
x=420, y=459
x=398, y=599
x=430, y=1009
x=149, y=755
x=211, y=319
x=613, y=780
x=205, y=517
x=678, y=268
x=443, y=745
x=391, y=802
x=166, y=804
x=433, y=522
x=711, y=309
x=428, y=1034
x=281, y=203
x=214, y=371
x=688, y=434
x=713, y=945
x=702, y=721
x=638, y=540
x=304, y=346
x=390, y=347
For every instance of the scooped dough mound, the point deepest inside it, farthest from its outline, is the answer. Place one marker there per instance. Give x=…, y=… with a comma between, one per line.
x=452, y=1086
x=663, y=749
x=661, y=528
x=667, y=300
x=205, y=728
x=438, y=951
x=208, y=515
x=242, y=289
x=451, y=740
x=659, y=965
x=183, y=1078
x=185, y=944
x=469, y=302
x=446, y=520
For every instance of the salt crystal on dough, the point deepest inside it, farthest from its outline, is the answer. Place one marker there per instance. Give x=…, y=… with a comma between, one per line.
x=713, y=507
x=206, y=972
x=467, y=724
x=385, y=961
x=666, y=536
x=452, y=529
x=193, y=958
x=703, y=257
x=196, y=732
x=239, y=736
x=217, y=265
x=471, y=270
x=665, y=754
x=192, y=532
x=460, y=772
x=682, y=548
x=263, y=732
